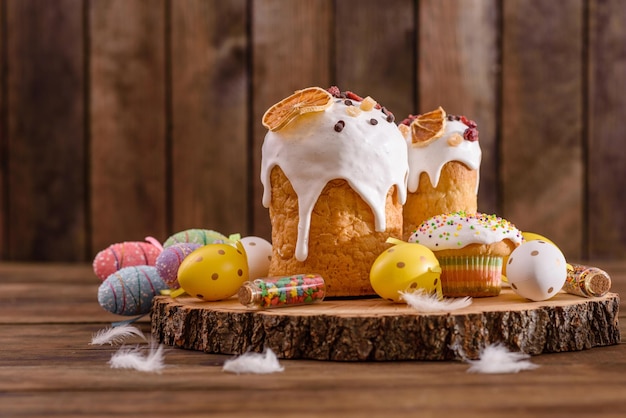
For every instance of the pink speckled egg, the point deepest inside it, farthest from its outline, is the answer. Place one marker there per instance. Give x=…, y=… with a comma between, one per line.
x=125, y=254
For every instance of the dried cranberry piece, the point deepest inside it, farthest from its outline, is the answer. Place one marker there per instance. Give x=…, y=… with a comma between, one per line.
x=353, y=96
x=408, y=120
x=468, y=122
x=471, y=134
x=334, y=91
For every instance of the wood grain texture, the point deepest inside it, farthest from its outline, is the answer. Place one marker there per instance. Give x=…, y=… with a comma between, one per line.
x=541, y=161
x=459, y=70
x=45, y=139
x=48, y=368
x=376, y=330
x=293, y=47
x=325, y=391
x=607, y=107
x=27, y=297
x=372, y=61
x=210, y=174
x=127, y=118
x=3, y=136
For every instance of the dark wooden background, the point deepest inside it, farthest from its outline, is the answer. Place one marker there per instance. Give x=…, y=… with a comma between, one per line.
x=127, y=118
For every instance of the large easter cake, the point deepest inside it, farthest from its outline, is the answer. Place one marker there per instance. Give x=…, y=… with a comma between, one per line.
x=334, y=169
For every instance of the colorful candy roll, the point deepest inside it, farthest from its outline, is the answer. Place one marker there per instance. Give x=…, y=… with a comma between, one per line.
x=168, y=262
x=129, y=291
x=125, y=254
x=276, y=292
x=587, y=281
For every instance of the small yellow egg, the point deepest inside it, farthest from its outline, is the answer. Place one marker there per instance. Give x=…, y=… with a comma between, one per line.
x=531, y=236
x=405, y=267
x=213, y=272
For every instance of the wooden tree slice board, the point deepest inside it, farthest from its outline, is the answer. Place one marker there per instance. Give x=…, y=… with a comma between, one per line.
x=377, y=330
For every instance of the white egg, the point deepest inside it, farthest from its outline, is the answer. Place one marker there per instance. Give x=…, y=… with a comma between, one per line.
x=536, y=270
x=259, y=253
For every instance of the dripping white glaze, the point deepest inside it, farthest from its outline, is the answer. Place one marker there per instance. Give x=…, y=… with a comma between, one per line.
x=431, y=158
x=371, y=157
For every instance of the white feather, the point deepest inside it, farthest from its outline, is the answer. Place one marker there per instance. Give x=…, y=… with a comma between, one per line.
x=115, y=335
x=496, y=358
x=259, y=363
x=424, y=302
x=133, y=358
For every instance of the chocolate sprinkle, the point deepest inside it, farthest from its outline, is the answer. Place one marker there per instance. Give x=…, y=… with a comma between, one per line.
x=339, y=126
x=390, y=117
x=373, y=121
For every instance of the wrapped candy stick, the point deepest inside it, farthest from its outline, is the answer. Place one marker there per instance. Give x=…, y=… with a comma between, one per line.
x=275, y=292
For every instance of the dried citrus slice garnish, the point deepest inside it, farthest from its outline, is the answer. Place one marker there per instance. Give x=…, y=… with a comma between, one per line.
x=428, y=126
x=311, y=99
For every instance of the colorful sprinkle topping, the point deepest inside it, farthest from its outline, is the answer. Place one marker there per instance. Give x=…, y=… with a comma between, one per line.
x=456, y=230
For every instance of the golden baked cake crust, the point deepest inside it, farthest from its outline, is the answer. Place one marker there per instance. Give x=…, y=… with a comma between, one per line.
x=455, y=191
x=498, y=249
x=343, y=241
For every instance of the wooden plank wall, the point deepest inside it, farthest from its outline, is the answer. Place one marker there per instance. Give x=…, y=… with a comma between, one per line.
x=126, y=118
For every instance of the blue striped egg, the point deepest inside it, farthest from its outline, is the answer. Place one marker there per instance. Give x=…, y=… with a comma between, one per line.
x=129, y=291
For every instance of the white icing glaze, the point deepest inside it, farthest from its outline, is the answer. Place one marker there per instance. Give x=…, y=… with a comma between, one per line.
x=431, y=158
x=457, y=230
x=371, y=158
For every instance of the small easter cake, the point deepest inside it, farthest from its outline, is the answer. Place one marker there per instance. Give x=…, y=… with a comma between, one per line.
x=334, y=168
x=444, y=162
x=470, y=249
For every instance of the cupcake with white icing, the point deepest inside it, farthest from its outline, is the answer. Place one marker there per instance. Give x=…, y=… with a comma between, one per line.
x=470, y=249
x=444, y=161
x=334, y=182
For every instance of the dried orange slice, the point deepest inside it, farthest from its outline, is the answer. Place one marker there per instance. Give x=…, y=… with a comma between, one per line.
x=311, y=99
x=428, y=127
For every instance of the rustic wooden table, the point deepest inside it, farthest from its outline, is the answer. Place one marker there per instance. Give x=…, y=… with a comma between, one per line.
x=48, y=314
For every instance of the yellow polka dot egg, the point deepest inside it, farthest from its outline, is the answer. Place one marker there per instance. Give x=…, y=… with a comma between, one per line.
x=404, y=268
x=213, y=272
